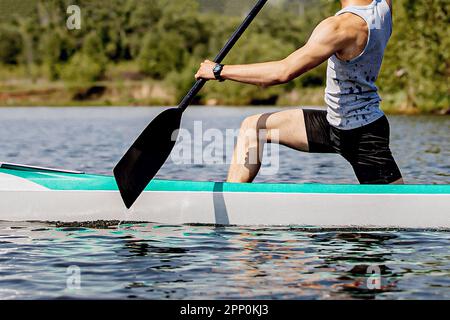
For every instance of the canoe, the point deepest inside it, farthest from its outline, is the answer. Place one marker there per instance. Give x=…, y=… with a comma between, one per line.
x=42, y=194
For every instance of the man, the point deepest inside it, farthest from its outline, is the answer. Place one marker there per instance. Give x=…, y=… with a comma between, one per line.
x=353, y=126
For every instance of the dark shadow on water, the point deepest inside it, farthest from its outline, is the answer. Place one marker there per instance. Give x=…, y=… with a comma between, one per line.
x=366, y=256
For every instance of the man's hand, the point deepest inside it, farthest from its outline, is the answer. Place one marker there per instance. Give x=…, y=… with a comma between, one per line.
x=206, y=70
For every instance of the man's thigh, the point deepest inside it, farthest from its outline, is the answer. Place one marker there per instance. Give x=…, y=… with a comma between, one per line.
x=285, y=127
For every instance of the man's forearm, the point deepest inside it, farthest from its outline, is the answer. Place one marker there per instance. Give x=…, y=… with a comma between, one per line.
x=260, y=74
x=275, y=72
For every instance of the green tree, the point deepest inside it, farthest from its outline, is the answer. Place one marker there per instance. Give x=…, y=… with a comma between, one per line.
x=50, y=46
x=167, y=39
x=81, y=69
x=252, y=48
x=160, y=54
x=10, y=45
x=87, y=65
x=417, y=61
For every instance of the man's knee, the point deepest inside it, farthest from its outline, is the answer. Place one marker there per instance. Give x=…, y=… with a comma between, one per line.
x=250, y=129
x=251, y=122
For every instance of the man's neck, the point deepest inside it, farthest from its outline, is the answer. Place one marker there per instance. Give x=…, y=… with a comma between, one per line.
x=346, y=3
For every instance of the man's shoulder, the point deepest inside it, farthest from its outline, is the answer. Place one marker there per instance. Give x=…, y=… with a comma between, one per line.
x=389, y=2
x=333, y=22
x=335, y=30
x=348, y=23
x=336, y=24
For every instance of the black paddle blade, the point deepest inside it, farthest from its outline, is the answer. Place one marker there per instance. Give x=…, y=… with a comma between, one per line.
x=147, y=155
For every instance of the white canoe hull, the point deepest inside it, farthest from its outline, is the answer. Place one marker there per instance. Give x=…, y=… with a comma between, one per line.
x=39, y=194
x=332, y=210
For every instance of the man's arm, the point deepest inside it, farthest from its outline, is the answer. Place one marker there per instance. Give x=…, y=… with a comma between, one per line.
x=328, y=38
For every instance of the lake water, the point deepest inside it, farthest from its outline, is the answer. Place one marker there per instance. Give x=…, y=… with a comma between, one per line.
x=154, y=261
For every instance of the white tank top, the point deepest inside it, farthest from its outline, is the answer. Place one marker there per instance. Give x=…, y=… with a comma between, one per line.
x=351, y=94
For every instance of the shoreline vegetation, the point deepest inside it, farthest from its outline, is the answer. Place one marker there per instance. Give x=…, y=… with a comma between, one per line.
x=138, y=93
x=145, y=53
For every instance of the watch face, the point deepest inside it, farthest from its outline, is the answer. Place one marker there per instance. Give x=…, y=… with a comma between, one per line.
x=217, y=71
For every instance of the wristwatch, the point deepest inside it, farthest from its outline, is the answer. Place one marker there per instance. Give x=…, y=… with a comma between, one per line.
x=217, y=71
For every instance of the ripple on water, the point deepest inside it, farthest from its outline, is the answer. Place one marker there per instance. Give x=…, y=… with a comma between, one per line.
x=228, y=262
x=200, y=262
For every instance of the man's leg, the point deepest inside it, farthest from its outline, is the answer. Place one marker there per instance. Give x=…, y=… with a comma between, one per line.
x=285, y=127
x=370, y=155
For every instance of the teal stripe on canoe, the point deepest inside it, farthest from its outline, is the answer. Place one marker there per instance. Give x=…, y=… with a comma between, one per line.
x=72, y=181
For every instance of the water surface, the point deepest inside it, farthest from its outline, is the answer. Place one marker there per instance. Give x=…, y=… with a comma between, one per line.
x=41, y=261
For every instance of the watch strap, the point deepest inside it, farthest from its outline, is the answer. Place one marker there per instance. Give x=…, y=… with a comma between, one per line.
x=217, y=72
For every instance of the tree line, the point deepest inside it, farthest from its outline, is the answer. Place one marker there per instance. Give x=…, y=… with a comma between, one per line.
x=164, y=40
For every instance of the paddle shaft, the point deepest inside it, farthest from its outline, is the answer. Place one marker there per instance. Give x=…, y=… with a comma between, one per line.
x=223, y=53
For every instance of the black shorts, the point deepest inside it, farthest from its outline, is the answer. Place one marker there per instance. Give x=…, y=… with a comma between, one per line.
x=366, y=148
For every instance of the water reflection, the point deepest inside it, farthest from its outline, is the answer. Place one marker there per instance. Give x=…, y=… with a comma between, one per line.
x=366, y=255
x=99, y=137
x=200, y=262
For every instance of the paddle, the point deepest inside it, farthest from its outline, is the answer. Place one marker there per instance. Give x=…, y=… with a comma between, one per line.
x=152, y=148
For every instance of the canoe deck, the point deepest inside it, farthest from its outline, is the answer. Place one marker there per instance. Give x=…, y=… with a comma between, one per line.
x=37, y=194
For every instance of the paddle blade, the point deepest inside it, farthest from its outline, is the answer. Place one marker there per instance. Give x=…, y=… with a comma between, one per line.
x=147, y=155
